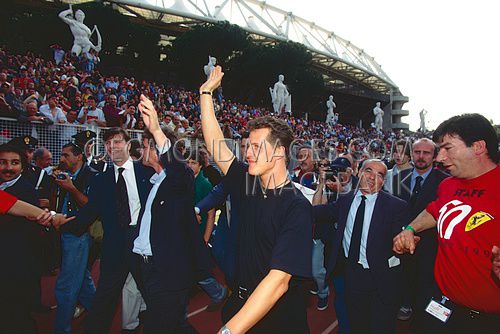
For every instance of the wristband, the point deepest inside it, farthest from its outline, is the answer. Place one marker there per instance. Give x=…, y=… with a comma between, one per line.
x=409, y=227
x=206, y=92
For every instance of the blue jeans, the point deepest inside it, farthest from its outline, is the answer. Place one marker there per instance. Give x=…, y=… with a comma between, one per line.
x=74, y=282
x=213, y=289
x=318, y=268
x=340, y=304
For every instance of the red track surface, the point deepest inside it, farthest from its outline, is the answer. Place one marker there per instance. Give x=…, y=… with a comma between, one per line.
x=320, y=322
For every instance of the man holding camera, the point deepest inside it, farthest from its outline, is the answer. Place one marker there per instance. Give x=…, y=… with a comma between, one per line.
x=91, y=115
x=74, y=283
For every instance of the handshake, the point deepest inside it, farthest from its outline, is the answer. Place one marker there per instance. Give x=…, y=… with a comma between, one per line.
x=51, y=218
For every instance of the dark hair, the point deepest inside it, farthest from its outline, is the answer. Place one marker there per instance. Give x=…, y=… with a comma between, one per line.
x=166, y=131
x=406, y=146
x=75, y=149
x=91, y=97
x=15, y=149
x=280, y=132
x=116, y=131
x=470, y=128
x=193, y=155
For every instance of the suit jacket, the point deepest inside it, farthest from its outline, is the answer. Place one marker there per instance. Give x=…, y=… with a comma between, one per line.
x=179, y=252
x=101, y=204
x=386, y=222
x=427, y=247
x=20, y=238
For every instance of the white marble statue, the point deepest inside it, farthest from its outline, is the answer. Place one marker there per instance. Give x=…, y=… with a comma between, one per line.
x=208, y=68
x=330, y=116
x=379, y=113
x=423, y=112
x=280, y=96
x=80, y=31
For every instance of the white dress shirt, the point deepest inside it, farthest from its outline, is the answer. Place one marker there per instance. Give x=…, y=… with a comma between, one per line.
x=134, y=201
x=142, y=244
x=346, y=241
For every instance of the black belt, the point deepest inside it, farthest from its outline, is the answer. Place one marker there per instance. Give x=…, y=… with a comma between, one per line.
x=470, y=313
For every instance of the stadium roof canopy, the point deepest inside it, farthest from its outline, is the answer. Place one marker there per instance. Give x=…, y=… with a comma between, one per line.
x=344, y=66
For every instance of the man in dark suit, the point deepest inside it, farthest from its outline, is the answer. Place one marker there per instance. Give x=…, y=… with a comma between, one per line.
x=367, y=220
x=170, y=249
x=417, y=186
x=19, y=246
x=86, y=140
x=32, y=173
x=116, y=196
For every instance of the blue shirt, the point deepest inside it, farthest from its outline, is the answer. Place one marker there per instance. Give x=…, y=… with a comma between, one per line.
x=414, y=175
x=64, y=209
x=346, y=241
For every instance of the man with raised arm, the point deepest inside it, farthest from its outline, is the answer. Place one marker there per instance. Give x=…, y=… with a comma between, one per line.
x=467, y=267
x=274, y=236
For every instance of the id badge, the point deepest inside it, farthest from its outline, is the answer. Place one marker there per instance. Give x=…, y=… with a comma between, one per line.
x=438, y=311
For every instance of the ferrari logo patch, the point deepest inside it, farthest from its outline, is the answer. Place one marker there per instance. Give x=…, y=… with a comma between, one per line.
x=477, y=219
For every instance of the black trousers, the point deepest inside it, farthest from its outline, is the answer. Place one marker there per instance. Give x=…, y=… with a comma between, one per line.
x=367, y=312
x=166, y=307
x=109, y=290
x=16, y=301
x=288, y=316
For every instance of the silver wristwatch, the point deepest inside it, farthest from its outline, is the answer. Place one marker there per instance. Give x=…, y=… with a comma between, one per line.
x=225, y=330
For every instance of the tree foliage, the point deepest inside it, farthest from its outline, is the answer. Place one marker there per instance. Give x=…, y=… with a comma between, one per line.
x=250, y=68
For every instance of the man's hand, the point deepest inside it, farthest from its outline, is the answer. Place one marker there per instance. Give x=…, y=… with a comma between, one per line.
x=66, y=183
x=405, y=242
x=60, y=219
x=149, y=114
x=45, y=218
x=213, y=80
x=496, y=261
x=334, y=185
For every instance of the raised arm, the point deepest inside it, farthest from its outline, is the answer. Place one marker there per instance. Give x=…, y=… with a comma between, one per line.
x=150, y=117
x=64, y=15
x=212, y=133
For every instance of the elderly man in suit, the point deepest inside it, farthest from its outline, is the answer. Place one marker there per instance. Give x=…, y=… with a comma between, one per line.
x=418, y=187
x=169, y=248
x=367, y=220
x=116, y=196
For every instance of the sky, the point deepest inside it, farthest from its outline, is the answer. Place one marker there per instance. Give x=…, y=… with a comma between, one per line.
x=442, y=54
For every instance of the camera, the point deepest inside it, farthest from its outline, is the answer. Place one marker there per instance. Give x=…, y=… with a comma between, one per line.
x=332, y=172
x=62, y=176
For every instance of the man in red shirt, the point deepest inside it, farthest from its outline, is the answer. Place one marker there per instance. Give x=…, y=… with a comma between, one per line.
x=467, y=268
x=112, y=113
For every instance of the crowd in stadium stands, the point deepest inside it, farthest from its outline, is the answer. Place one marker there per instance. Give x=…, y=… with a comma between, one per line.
x=372, y=177
x=36, y=89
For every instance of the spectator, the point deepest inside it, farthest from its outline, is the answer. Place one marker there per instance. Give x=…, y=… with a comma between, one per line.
x=128, y=115
x=112, y=112
x=91, y=115
x=52, y=112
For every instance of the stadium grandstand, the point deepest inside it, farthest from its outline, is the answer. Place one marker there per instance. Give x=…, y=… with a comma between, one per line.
x=350, y=73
